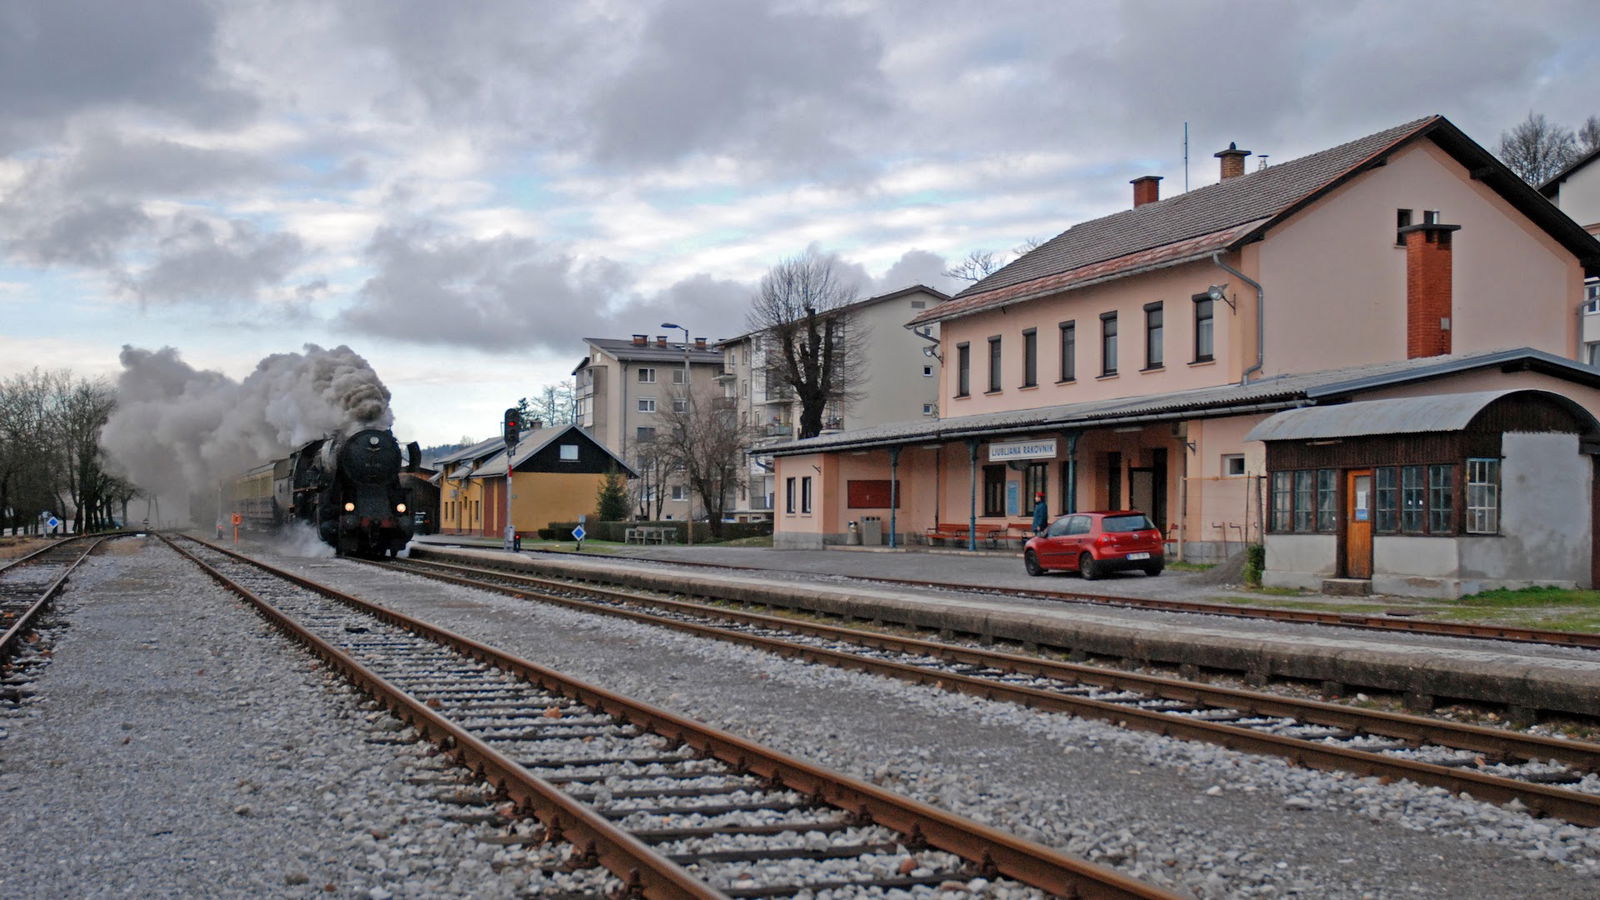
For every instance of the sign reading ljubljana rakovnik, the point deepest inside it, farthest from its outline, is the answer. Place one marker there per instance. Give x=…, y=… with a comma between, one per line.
x=1010, y=450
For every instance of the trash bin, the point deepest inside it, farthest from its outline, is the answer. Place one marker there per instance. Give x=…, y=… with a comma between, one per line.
x=872, y=530
x=853, y=537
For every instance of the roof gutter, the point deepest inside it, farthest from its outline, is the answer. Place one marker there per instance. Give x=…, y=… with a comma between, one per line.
x=956, y=434
x=1261, y=315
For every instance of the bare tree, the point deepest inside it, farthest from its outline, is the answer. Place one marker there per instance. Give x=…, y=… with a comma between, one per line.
x=81, y=410
x=1027, y=246
x=26, y=473
x=811, y=346
x=975, y=266
x=706, y=441
x=1536, y=149
x=1589, y=136
x=654, y=465
x=551, y=404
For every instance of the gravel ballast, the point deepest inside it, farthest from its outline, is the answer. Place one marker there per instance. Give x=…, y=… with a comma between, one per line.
x=131, y=773
x=1189, y=816
x=177, y=746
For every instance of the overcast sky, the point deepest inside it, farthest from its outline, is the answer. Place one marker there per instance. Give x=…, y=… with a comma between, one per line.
x=461, y=191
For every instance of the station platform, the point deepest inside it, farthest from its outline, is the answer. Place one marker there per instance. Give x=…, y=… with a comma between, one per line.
x=1526, y=679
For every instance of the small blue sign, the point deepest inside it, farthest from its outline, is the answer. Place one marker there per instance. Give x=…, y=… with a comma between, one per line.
x=52, y=523
x=578, y=533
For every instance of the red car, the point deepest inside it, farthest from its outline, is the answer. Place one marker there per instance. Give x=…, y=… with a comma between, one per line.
x=1095, y=543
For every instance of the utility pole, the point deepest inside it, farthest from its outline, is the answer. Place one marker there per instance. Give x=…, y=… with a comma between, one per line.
x=688, y=399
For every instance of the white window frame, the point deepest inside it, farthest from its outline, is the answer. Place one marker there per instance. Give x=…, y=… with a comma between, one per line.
x=569, y=452
x=1483, y=495
x=647, y=404
x=805, y=495
x=680, y=492
x=680, y=405
x=1228, y=465
x=677, y=376
x=647, y=375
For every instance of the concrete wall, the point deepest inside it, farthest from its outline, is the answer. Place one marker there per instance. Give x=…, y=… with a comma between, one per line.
x=896, y=387
x=1579, y=196
x=1545, y=519
x=1300, y=560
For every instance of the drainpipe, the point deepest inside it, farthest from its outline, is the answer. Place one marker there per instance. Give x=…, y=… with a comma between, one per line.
x=972, y=494
x=894, y=494
x=1261, y=315
x=1072, y=473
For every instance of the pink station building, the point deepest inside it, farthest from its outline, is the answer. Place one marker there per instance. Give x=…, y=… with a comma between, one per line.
x=1367, y=359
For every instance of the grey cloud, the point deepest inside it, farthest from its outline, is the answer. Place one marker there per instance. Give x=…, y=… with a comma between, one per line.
x=509, y=293
x=62, y=57
x=738, y=77
x=104, y=164
x=90, y=232
x=199, y=260
x=915, y=267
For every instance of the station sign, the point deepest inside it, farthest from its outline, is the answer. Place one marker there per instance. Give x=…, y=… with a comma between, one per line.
x=1006, y=451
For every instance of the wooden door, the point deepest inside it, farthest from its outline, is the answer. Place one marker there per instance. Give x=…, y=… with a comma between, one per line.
x=1358, y=524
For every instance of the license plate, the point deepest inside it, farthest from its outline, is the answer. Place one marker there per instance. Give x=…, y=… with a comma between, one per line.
x=1138, y=556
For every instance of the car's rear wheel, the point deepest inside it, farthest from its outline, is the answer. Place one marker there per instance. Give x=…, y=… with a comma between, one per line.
x=1089, y=568
x=1153, y=569
x=1030, y=561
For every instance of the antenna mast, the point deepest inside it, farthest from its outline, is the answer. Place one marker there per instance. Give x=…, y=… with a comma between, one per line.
x=1186, y=157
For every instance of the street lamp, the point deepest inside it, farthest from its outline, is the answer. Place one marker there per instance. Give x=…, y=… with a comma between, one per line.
x=688, y=400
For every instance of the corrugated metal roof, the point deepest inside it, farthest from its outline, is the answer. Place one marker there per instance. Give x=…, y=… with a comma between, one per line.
x=1406, y=415
x=1229, y=399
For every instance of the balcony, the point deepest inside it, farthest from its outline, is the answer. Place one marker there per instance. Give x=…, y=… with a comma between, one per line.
x=778, y=430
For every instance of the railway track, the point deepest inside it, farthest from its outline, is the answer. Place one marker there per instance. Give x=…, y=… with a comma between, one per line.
x=31, y=583
x=671, y=807
x=1559, y=778
x=1385, y=623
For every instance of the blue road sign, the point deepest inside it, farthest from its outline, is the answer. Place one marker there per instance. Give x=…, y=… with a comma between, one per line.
x=52, y=523
x=578, y=533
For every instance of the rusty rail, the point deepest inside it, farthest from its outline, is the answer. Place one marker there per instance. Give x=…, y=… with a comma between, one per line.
x=1583, y=809
x=24, y=621
x=987, y=848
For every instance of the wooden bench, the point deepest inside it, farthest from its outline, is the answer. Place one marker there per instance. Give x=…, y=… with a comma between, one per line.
x=956, y=533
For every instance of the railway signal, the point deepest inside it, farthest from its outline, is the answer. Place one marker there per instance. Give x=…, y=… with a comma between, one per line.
x=513, y=431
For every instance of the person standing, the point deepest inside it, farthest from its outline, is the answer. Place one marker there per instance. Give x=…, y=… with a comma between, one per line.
x=1041, y=514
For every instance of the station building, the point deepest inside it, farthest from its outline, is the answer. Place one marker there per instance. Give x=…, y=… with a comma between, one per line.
x=1133, y=360
x=557, y=473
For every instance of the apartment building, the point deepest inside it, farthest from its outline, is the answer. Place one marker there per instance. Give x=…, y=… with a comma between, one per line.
x=898, y=365
x=624, y=386
x=1575, y=191
x=1140, y=359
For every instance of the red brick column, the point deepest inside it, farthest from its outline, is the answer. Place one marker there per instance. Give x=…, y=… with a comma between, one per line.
x=1429, y=301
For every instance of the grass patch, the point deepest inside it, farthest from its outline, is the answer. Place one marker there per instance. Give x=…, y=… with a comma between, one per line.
x=1520, y=598
x=1175, y=566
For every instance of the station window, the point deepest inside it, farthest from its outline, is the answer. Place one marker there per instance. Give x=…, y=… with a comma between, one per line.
x=1030, y=358
x=569, y=452
x=963, y=370
x=1232, y=465
x=1154, y=335
x=805, y=494
x=1069, y=350
x=994, y=490
x=1204, y=328
x=1304, y=501
x=1415, y=499
x=1483, y=496
x=788, y=495
x=994, y=364
x=1108, y=343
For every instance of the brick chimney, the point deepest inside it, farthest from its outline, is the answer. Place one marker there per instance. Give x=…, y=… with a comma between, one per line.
x=699, y=343
x=1428, y=289
x=640, y=340
x=1232, y=160
x=1146, y=189
x=661, y=340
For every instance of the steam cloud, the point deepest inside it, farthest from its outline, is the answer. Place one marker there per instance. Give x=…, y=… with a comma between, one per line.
x=178, y=431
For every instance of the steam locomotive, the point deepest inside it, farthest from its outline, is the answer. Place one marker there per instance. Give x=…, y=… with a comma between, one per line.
x=346, y=487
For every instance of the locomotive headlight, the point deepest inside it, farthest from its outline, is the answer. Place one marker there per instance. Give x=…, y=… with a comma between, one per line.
x=349, y=507
x=400, y=507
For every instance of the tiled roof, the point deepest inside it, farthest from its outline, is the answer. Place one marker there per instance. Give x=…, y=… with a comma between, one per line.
x=1214, y=216
x=1266, y=394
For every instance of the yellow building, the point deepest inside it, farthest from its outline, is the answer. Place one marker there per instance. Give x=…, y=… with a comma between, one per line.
x=557, y=474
